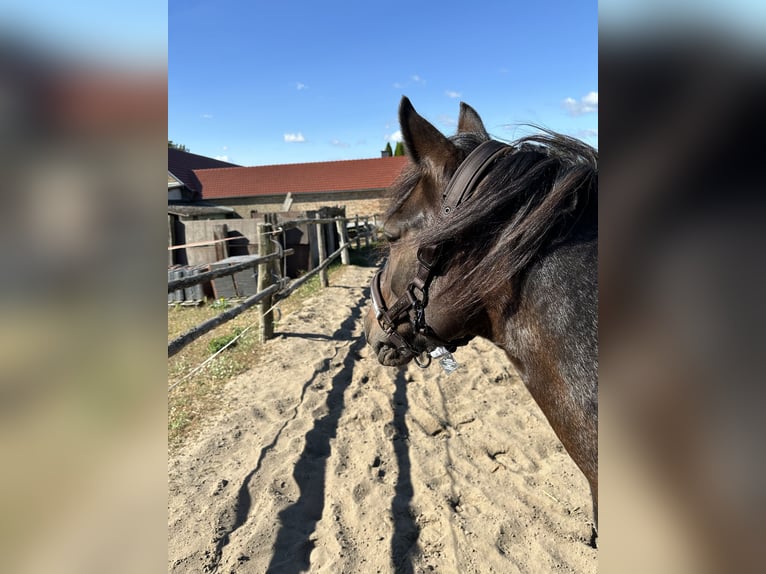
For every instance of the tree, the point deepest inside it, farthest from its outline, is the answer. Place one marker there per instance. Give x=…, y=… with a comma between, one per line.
x=399, y=149
x=387, y=152
x=179, y=147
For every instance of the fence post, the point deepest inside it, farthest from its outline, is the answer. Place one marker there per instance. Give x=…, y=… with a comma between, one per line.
x=366, y=231
x=323, y=281
x=340, y=225
x=265, y=247
x=221, y=249
x=375, y=227
x=171, y=239
x=356, y=228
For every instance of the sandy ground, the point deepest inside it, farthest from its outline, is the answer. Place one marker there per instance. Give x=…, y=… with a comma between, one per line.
x=325, y=461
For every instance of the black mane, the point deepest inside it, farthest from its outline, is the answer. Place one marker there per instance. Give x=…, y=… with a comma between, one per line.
x=543, y=193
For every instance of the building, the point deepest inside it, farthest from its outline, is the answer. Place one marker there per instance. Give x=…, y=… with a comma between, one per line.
x=185, y=190
x=203, y=191
x=183, y=184
x=358, y=185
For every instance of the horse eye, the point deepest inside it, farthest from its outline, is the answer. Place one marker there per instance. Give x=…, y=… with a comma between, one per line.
x=392, y=233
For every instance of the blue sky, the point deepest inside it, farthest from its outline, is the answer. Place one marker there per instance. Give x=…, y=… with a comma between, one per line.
x=261, y=83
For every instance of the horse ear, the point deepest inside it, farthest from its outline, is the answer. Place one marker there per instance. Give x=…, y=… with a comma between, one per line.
x=470, y=122
x=423, y=142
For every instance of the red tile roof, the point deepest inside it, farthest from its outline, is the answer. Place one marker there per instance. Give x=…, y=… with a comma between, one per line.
x=182, y=165
x=360, y=174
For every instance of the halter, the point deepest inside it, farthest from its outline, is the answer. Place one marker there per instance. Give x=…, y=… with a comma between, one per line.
x=415, y=297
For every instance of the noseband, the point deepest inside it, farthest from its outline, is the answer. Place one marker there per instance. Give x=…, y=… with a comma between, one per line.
x=415, y=297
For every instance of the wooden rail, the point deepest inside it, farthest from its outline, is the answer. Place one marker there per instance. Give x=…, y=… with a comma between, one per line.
x=196, y=332
x=270, y=286
x=184, y=282
x=294, y=284
x=202, y=243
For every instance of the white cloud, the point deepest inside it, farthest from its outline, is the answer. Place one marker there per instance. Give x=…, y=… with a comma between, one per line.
x=338, y=143
x=295, y=138
x=587, y=104
x=394, y=137
x=453, y=94
x=222, y=157
x=206, y=116
x=300, y=86
x=413, y=79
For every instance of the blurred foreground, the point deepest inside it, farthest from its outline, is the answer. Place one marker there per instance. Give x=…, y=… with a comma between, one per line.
x=681, y=284
x=82, y=397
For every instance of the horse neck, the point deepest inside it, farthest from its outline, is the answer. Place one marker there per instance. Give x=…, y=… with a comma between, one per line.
x=555, y=301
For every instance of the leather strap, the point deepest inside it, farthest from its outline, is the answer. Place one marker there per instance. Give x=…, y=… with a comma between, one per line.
x=469, y=174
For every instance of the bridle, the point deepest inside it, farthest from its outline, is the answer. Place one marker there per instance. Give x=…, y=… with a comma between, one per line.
x=411, y=305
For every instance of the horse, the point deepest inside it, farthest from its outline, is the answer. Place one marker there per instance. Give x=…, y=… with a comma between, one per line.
x=497, y=240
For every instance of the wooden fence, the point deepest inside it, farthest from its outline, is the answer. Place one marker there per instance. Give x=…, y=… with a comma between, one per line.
x=272, y=286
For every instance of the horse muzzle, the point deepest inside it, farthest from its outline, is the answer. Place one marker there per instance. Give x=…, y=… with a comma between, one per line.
x=390, y=356
x=386, y=352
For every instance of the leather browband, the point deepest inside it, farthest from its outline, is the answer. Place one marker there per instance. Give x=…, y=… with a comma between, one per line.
x=469, y=173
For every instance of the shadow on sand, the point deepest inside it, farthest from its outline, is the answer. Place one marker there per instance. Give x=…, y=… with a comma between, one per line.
x=406, y=531
x=293, y=546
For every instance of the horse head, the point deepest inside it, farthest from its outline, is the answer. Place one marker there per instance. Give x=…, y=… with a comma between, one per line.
x=415, y=277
